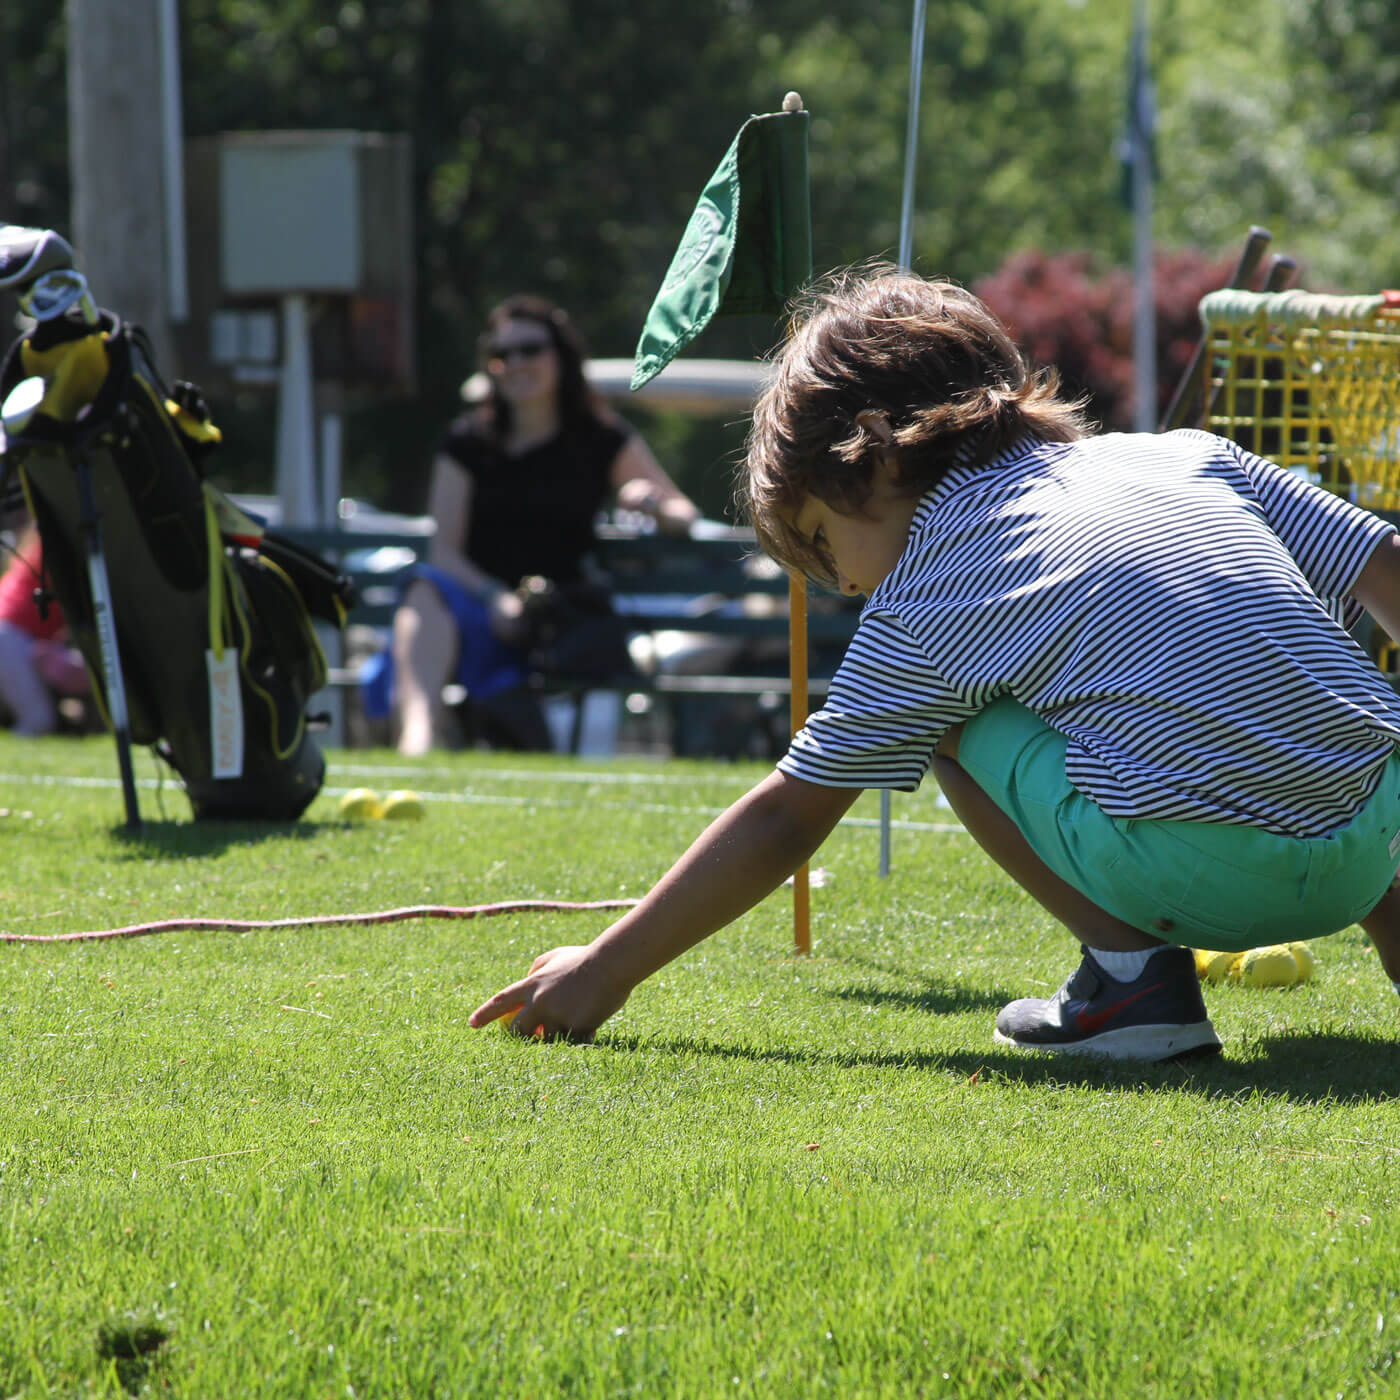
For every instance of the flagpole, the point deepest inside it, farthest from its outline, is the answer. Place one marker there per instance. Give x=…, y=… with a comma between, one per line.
x=798, y=696
x=906, y=260
x=911, y=134
x=745, y=258
x=1140, y=118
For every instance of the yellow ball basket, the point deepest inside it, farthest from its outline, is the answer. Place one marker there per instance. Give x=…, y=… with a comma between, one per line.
x=1312, y=382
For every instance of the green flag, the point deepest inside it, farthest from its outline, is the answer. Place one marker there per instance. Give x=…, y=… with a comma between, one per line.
x=747, y=247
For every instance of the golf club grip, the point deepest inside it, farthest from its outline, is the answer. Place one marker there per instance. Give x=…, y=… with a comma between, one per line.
x=1256, y=243
x=1281, y=273
x=1184, y=400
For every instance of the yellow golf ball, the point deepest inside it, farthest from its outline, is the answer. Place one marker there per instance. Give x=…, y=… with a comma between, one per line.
x=1303, y=956
x=404, y=805
x=1274, y=966
x=361, y=804
x=1212, y=966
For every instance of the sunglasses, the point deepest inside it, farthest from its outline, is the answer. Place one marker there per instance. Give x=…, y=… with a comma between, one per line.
x=525, y=350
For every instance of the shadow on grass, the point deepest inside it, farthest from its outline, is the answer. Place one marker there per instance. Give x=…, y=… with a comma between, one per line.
x=1306, y=1066
x=937, y=997
x=182, y=839
x=131, y=1345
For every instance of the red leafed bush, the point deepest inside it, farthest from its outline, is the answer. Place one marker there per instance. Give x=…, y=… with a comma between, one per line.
x=1064, y=311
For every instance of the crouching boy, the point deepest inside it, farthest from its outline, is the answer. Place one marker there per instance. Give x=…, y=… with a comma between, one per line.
x=1123, y=657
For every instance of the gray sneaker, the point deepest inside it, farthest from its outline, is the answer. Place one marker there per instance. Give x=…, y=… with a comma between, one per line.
x=1160, y=1015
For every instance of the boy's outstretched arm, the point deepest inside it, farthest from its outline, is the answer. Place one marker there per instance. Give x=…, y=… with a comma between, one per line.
x=1378, y=585
x=741, y=856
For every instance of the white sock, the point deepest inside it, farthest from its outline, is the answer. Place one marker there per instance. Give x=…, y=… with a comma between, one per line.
x=1123, y=967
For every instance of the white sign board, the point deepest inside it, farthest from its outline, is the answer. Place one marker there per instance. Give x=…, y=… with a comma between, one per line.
x=291, y=216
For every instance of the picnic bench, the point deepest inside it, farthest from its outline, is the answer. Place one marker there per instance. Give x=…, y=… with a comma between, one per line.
x=710, y=615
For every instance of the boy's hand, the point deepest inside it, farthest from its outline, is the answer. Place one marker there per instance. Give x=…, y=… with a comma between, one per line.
x=562, y=997
x=743, y=855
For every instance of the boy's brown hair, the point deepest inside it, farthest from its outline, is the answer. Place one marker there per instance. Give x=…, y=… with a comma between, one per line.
x=874, y=346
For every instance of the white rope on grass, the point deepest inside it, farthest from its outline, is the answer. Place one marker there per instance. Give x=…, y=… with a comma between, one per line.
x=382, y=916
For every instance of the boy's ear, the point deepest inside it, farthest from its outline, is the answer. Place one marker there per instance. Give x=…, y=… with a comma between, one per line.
x=877, y=424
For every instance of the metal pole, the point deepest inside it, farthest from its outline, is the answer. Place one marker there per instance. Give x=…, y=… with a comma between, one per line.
x=906, y=259
x=1144, y=303
x=911, y=134
x=173, y=162
x=296, y=425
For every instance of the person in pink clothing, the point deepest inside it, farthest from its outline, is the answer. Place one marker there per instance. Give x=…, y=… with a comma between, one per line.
x=37, y=664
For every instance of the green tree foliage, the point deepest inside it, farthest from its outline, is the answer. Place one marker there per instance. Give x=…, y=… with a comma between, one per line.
x=33, y=116
x=1287, y=117
x=560, y=144
x=558, y=147
x=1014, y=100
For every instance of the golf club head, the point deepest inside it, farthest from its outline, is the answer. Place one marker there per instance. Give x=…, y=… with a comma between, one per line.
x=57, y=292
x=20, y=405
x=28, y=253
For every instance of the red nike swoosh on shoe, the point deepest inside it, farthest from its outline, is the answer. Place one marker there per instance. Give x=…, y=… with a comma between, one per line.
x=1087, y=1022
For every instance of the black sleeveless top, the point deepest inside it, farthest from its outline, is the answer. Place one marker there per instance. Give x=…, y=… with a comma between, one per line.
x=534, y=513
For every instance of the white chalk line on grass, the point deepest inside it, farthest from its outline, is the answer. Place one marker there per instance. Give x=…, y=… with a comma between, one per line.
x=528, y=775
x=77, y=780
x=519, y=775
x=591, y=776
x=488, y=799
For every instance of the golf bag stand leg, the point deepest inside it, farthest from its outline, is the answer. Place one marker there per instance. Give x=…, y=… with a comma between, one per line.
x=104, y=620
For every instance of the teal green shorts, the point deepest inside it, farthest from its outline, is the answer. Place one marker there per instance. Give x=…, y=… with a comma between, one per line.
x=1198, y=884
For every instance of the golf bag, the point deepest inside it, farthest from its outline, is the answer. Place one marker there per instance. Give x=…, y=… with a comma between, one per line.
x=207, y=636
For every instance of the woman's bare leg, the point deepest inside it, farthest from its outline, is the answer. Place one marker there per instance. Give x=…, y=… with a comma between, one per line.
x=1001, y=838
x=425, y=654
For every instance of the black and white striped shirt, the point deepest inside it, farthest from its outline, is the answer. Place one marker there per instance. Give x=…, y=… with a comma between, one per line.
x=1174, y=605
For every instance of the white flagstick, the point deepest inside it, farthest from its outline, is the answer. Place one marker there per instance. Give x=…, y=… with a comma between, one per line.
x=1141, y=120
x=906, y=259
x=911, y=135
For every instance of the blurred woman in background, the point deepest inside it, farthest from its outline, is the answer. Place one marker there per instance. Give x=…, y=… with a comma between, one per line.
x=517, y=484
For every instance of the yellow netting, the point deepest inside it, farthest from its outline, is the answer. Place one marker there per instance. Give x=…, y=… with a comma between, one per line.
x=1311, y=382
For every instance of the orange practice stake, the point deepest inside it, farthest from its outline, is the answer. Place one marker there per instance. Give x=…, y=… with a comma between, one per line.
x=797, y=674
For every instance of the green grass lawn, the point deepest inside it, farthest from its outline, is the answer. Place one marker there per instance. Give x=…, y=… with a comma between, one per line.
x=286, y=1154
